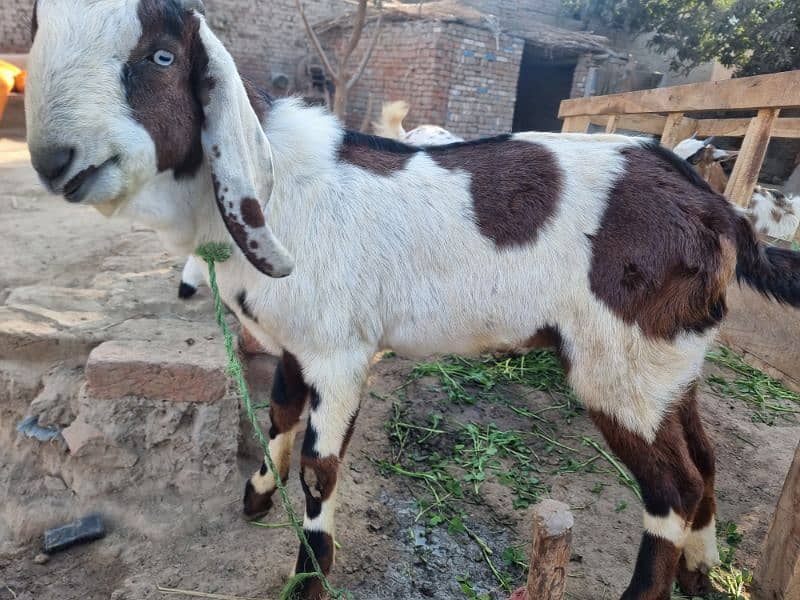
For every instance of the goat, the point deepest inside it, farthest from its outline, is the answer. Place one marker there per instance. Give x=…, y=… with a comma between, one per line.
x=610, y=248
x=707, y=160
x=391, y=126
x=772, y=213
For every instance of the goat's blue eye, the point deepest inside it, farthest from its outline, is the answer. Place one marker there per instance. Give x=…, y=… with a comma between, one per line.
x=163, y=58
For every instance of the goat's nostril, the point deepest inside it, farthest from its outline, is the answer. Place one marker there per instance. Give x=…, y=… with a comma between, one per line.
x=52, y=162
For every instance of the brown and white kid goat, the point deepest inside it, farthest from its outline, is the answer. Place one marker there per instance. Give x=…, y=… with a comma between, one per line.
x=611, y=248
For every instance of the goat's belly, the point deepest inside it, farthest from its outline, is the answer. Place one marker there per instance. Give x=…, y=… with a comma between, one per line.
x=421, y=339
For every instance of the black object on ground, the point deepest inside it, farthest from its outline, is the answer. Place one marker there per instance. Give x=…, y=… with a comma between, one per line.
x=83, y=530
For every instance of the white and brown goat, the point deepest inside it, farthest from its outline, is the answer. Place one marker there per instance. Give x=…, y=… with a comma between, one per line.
x=610, y=247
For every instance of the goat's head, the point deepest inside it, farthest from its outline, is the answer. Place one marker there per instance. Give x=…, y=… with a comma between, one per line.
x=121, y=91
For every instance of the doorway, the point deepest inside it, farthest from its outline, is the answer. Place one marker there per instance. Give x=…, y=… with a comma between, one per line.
x=542, y=84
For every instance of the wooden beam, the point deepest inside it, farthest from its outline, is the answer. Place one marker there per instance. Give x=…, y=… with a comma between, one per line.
x=783, y=128
x=611, y=124
x=777, y=90
x=751, y=156
x=575, y=125
x=677, y=128
x=552, y=535
x=778, y=573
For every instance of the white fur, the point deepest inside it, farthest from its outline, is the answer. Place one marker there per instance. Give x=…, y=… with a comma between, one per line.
x=194, y=272
x=701, y=550
x=764, y=209
x=672, y=528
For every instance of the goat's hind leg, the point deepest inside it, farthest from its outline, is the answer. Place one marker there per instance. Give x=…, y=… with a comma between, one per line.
x=672, y=488
x=288, y=399
x=700, y=554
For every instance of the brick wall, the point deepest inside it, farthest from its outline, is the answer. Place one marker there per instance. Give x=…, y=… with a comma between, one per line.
x=450, y=74
x=15, y=25
x=266, y=36
x=483, y=80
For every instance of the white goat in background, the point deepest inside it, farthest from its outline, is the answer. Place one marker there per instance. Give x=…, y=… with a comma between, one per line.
x=773, y=213
x=610, y=248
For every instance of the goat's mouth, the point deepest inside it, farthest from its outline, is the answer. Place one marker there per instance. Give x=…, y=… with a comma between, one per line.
x=77, y=188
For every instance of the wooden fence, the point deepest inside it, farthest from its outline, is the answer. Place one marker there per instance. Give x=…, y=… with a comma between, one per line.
x=665, y=112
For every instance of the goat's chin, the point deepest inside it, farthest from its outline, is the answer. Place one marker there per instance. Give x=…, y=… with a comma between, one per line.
x=110, y=207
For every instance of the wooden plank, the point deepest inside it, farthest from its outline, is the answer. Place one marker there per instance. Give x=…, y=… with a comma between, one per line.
x=575, y=125
x=552, y=535
x=643, y=123
x=611, y=124
x=783, y=128
x=777, y=90
x=778, y=573
x=751, y=156
x=677, y=128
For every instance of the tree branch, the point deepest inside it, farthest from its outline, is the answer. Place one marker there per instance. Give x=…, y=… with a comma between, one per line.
x=316, y=44
x=355, y=36
x=367, y=55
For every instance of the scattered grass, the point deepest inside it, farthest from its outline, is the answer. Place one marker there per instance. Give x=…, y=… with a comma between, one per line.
x=768, y=397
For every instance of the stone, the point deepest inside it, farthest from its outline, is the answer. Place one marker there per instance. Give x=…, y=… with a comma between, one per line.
x=95, y=449
x=53, y=405
x=158, y=370
x=54, y=484
x=41, y=558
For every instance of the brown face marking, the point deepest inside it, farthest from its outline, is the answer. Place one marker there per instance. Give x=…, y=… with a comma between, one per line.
x=162, y=97
x=251, y=213
x=510, y=209
x=662, y=256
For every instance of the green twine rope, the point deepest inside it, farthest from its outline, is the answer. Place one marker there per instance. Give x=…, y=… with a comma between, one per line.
x=214, y=252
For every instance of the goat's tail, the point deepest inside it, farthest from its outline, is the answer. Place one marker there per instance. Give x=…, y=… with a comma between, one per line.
x=391, y=123
x=773, y=271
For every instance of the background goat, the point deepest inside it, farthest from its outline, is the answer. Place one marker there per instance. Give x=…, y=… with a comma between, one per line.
x=773, y=213
x=610, y=248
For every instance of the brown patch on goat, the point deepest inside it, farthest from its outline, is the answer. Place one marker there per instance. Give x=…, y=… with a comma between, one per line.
x=510, y=210
x=322, y=544
x=669, y=479
x=548, y=337
x=289, y=394
x=671, y=275
x=318, y=478
x=702, y=452
x=776, y=215
x=251, y=213
x=348, y=434
x=162, y=99
x=381, y=158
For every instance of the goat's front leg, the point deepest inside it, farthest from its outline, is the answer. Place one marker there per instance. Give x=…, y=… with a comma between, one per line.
x=289, y=395
x=672, y=488
x=334, y=403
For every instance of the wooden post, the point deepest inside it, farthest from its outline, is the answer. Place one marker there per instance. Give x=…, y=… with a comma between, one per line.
x=575, y=125
x=676, y=129
x=751, y=156
x=611, y=124
x=552, y=534
x=778, y=573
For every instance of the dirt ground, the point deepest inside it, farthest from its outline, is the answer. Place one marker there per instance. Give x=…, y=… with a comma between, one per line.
x=164, y=535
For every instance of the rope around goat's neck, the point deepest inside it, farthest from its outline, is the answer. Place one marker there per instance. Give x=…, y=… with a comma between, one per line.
x=213, y=253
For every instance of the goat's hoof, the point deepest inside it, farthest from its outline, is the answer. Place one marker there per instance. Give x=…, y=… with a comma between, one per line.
x=693, y=583
x=186, y=291
x=255, y=505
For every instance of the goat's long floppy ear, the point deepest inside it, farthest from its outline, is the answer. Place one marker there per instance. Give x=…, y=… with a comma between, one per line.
x=240, y=158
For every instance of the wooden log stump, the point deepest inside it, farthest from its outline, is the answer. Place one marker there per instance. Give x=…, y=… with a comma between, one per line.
x=552, y=535
x=778, y=574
